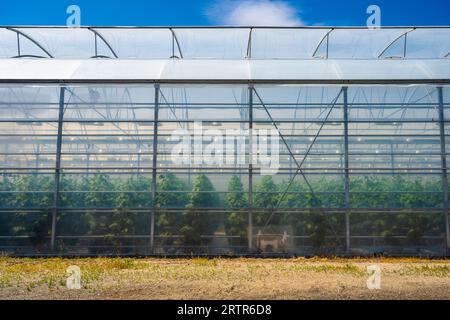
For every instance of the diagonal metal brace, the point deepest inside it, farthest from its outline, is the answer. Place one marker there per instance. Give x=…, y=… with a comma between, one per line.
x=299, y=165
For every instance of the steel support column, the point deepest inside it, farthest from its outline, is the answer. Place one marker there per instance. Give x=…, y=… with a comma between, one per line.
x=154, y=165
x=346, y=173
x=443, y=166
x=250, y=168
x=392, y=158
x=57, y=168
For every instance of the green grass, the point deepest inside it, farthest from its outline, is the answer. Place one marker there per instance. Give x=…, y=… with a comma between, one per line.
x=104, y=273
x=426, y=271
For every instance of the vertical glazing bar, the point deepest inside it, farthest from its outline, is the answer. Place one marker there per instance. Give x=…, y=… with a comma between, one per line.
x=249, y=44
x=250, y=168
x=328, y=44
x=173, y=45
x=392, y=158
x=18, y=45
x=443, y=166
x=154, y=165
x=405, y=44
x=57, y=168
x=346, y=173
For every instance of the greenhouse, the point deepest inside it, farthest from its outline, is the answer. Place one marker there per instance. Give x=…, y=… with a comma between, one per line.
x=224, y=141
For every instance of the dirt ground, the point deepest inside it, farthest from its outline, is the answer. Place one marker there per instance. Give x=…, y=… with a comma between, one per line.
x=199, y=278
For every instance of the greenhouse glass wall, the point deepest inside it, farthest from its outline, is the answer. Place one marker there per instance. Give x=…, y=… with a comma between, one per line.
x=101, y=131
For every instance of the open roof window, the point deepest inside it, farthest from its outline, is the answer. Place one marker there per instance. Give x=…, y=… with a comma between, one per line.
x=15, y=44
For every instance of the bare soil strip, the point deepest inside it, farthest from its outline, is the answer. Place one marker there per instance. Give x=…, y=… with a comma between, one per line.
x=199, y=278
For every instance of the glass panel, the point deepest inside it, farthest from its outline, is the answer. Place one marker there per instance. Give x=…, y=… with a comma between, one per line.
x=106, y=189
x=227, y=43
x=428, y=43
x=213, y=43
x=285, y=43
x=139, y=43
x=66, y=42
x=8, y=43
x=360, y=43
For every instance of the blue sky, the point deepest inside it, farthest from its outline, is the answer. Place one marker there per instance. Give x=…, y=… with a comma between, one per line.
x=224, y=12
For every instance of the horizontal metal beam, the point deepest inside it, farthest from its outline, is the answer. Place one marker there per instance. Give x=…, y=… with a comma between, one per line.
x=229, y=81
x=326, y=210
x=221, y=27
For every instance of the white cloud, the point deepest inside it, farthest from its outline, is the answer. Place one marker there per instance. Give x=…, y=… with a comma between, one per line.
x=254, y=13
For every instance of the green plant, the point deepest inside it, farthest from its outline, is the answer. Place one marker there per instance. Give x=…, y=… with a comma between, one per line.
x=196, y=222
x=171, y=194
x=36, y=225
x=236, y=223
x=319, y=229
x=102, y=204
x=265, y=196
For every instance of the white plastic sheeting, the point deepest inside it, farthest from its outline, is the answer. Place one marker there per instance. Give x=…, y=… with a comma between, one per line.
x=360, y=43
x=140, y=43
x=424, y=43
x=8, y=43
x=226, y=43
x=285, y=43
x=9, y=47
x=174, y=69
x=213, y=43
x=67, y=42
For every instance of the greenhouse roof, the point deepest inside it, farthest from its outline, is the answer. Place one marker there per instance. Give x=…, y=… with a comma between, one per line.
x=408, y=54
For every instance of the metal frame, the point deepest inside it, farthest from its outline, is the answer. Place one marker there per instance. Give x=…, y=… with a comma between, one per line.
x=154, y=166
x=347, y=210
x=175, y=40
x=444, y=167
x=346, y=82
x=250, y=168
x=57, y=167
x=327, y=37
x=346, y=168
x=97, y=34
x=176, y=43
x=20, y=33
x=221, y=27
x=405, y=35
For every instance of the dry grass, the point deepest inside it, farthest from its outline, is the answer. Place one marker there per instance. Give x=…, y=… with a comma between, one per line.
x=200, y=278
